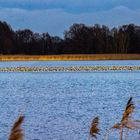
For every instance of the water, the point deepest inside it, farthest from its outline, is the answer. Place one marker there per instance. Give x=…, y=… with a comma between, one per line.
x=70, y=63
x=62, y=105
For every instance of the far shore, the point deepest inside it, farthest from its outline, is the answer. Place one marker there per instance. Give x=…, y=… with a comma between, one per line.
x=70, y=57
x=70, y=69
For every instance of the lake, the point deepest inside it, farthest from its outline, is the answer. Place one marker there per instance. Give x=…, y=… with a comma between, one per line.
x=69, y=63
x=61, y=105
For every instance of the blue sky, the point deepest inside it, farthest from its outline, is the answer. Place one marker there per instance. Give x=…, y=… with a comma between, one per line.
x=55, y=16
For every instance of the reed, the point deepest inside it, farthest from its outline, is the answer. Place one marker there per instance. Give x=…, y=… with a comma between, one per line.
x=69, y=57
x=126, y=116
x=94, y=130
x=126, y=122
x=16, y=131
x=128, y=111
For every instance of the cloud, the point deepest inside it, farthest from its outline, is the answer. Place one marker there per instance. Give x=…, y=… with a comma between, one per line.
x=70, y=5
x=55, y=21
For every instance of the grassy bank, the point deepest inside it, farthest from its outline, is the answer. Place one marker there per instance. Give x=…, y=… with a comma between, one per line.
x=70, y=57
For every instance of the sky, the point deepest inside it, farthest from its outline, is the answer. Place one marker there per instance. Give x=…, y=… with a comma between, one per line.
x=56, y=16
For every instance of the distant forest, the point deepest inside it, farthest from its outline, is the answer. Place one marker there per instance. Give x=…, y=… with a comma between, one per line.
x=78, y=39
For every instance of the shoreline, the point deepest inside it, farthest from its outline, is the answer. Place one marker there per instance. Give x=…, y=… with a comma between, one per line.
x=70, y=69
x=70, y=57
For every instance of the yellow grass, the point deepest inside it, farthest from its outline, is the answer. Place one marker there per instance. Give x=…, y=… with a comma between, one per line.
x=70, y=57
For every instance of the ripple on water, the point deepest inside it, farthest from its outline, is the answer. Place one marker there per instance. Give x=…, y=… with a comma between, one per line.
x=62, y=105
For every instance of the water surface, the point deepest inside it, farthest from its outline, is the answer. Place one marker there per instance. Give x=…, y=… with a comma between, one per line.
x=62, y=105
x=70, y=63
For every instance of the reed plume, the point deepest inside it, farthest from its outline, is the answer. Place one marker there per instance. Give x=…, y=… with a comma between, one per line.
x=126, y=116
x=128, y=111
x=125, y=122
x=94, y=130
x=16, y=131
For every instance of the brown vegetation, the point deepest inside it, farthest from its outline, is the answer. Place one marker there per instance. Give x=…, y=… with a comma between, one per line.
x=16, y=131
x=94, y=130
x=70, y=57
x=126, y=122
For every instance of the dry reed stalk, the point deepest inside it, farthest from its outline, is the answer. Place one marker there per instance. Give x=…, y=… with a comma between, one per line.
x=128, y=111
x=16, y=131
x=126, y=116
x=125, y=121
x=94, y=130
x=132, y=125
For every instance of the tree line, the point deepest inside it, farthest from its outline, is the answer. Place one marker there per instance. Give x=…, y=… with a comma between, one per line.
x=78, y=39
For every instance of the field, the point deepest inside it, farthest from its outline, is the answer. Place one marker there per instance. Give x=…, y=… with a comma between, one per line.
x=70, y=57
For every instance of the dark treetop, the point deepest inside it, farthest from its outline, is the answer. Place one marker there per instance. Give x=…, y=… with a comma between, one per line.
x=78, y=39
